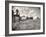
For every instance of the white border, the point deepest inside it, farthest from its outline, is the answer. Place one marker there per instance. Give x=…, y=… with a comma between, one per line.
x=24, y=31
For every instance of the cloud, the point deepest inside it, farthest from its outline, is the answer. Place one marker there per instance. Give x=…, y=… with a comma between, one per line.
x=28, y=11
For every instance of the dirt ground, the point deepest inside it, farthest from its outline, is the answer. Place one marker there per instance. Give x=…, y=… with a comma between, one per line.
x=27, y=25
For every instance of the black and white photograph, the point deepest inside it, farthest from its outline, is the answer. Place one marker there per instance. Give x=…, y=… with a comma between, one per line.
x=25, y=17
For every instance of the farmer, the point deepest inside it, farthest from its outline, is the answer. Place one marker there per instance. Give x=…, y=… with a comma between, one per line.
x=16, y=20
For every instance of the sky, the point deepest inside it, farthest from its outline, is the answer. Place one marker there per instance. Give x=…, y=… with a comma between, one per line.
x=28, y=11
